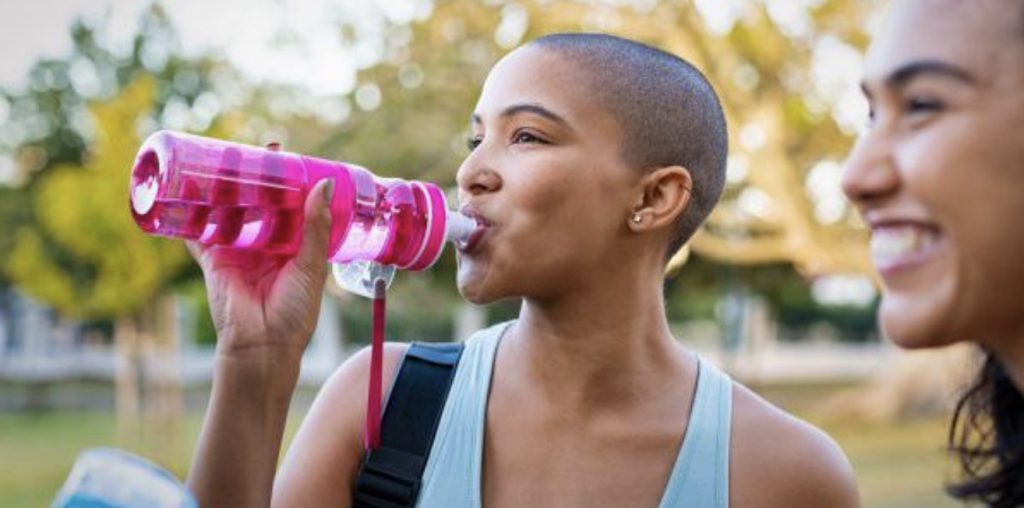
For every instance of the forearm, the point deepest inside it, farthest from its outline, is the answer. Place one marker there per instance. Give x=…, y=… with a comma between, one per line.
x=238, y=447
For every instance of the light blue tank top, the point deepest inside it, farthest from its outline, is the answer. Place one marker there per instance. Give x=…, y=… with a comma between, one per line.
x=700, y=477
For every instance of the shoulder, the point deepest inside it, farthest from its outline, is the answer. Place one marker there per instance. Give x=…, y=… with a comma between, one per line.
x=343, y=397
x=327, y=451
x=356, y=369
x=777, y=459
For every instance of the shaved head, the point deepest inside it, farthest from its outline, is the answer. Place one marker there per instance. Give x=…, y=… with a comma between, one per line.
x=669, y=113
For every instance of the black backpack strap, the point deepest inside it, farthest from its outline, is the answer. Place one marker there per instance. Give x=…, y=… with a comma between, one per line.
x=391, y=475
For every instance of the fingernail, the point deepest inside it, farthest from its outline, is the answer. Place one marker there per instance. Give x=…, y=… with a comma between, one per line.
x=328, y=193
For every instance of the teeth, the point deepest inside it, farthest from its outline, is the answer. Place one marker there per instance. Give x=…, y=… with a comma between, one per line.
x=891, y=243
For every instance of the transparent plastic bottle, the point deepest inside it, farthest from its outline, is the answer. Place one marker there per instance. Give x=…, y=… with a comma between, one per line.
x=250, y=198
x=112, y=478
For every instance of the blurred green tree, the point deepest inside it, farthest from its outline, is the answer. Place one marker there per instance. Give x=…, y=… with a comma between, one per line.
x=72, y=243
x=49, y=126
x=82, y=210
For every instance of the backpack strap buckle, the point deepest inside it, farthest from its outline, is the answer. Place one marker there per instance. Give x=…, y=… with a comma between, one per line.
x=390, y=478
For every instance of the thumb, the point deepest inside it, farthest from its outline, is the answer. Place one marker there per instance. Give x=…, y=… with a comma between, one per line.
x=316, y=229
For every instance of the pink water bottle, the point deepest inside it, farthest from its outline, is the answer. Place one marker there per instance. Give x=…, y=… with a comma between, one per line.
x=245, y=197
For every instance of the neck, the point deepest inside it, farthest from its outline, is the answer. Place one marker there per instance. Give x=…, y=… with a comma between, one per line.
x=599, y=345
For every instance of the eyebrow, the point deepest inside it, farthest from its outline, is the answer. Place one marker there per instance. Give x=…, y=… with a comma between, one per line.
x=906, y=73
x=516, y=109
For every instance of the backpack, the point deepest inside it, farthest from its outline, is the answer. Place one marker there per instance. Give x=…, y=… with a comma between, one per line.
x=390, y=476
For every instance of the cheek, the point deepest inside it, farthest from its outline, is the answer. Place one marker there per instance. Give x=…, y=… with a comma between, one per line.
x=990, y=268
x=572, y=209
x=546, y=197
x=558, y=230
x=969, y=184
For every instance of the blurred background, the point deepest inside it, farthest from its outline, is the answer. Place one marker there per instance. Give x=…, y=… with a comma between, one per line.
x=105, y=337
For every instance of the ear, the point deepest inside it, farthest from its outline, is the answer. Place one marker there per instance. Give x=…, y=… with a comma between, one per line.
x=664, y=194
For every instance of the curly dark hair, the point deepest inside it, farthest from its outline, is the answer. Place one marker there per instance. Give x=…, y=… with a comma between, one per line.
x=987, y=436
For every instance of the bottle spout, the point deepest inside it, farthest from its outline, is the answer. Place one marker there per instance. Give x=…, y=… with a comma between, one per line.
x=460, y=228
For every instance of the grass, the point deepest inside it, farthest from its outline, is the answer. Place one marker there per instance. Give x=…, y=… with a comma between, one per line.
x=897, y=465
x=37, y=450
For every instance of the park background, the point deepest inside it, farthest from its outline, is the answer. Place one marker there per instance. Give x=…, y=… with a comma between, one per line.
x=105, y=338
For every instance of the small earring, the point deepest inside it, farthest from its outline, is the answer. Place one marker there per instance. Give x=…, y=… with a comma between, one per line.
x=637, y=218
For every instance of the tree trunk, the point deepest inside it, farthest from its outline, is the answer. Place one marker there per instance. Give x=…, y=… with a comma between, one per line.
x=148, y=377
x=127, y=402
x=162, y=385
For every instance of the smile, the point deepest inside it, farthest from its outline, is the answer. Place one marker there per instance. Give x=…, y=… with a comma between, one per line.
x=899, y=247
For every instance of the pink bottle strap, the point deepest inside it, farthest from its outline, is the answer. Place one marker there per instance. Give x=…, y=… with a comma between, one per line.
x=371, y=437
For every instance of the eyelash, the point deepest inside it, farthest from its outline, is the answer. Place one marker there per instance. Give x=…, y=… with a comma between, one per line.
x=922, y=105
x=912, y=106
x=518, y=137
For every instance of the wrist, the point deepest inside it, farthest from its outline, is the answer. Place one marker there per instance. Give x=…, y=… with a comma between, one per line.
x=259, y=352
x=265, y=373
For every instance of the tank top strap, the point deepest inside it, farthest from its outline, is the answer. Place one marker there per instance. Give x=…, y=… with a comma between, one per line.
x=700, y=477
x=453, y=470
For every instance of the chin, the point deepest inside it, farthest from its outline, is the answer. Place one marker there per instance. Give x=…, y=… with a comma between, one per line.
x=479, y=283
x=474, y=296
x=472, y=288
x=916, y=323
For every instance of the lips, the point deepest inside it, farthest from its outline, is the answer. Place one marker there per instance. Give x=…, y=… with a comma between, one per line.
x=483, y=224
x=899, y=245
x=471, y=243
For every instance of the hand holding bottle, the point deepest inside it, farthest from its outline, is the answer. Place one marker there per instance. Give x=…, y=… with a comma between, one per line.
x=264, y=304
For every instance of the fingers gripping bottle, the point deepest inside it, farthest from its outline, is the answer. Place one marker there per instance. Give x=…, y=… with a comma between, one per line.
x=249, y=198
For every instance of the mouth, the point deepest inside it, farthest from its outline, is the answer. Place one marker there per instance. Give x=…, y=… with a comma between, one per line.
x=473, y=241
x=898, y=246
x=470, y=244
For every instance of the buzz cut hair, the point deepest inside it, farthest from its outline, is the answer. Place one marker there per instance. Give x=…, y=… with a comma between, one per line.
x=668, y=111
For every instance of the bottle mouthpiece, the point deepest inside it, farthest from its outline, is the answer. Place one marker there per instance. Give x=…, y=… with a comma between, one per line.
x=460, y=227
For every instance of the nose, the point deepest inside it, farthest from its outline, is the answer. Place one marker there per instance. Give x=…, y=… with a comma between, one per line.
x=871, y=173
x=476, y=176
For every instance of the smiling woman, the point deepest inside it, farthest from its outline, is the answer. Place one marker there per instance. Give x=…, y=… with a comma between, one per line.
x=938, y=178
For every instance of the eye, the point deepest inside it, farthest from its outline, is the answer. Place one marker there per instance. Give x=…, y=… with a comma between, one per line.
x=922, y=105
x=473, y=141
x=525, y=137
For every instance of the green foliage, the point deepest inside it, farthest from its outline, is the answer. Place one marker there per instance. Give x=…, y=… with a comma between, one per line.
x=14, y=211
x=77, y=127
x=49, y=123
x=697, y=290
x=83, y=210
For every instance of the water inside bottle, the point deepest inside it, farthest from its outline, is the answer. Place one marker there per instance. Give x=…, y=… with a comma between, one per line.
x=218, y=203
